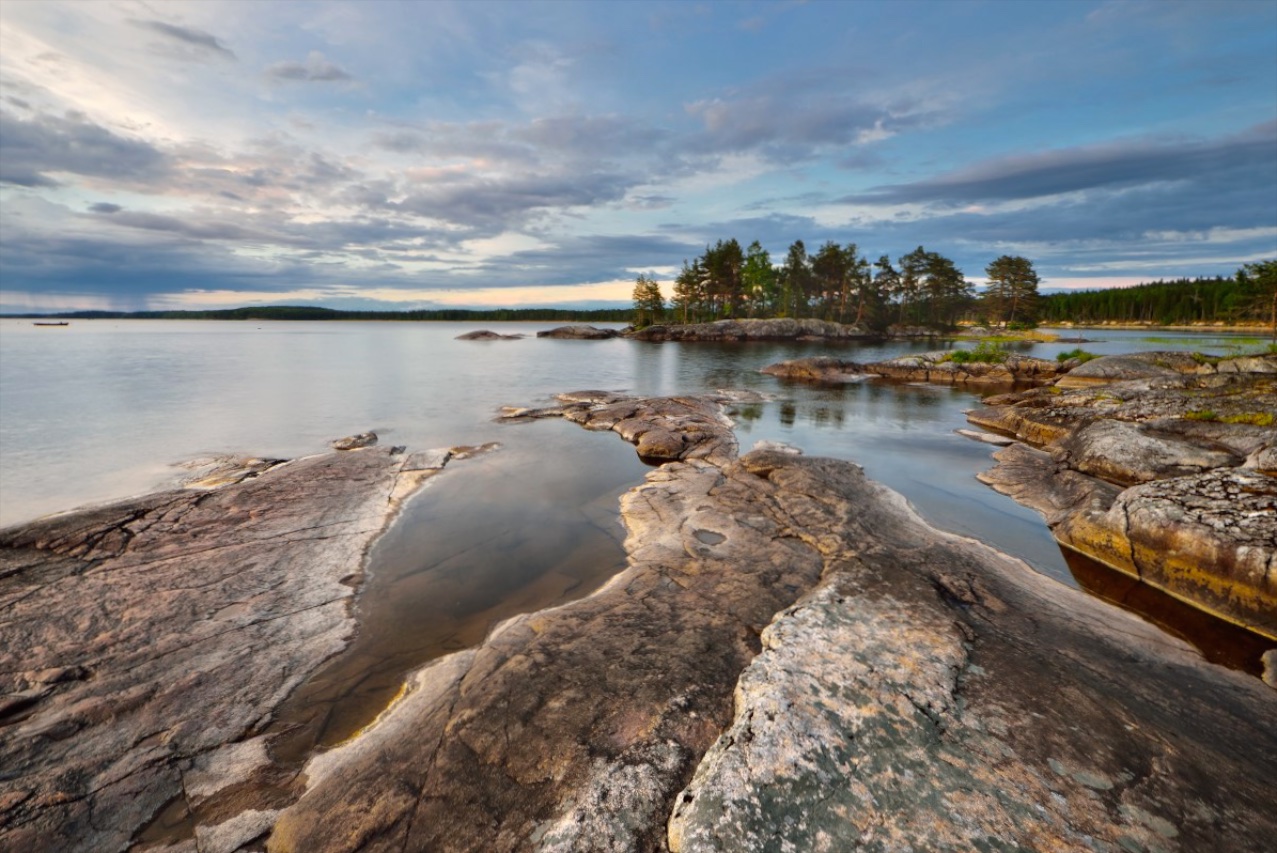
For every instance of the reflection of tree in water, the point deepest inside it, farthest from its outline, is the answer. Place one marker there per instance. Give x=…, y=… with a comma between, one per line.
x=788, y=413
x=824, y=416
x=747, y=412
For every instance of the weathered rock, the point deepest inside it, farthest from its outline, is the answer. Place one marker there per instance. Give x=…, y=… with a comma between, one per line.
x=928, y=694
x=1127, y=454
x=823, y=368
x=661, y=428
x=579, y=333
x=487, y=335
x=934, y=368
x=1162, y=365
x=159, y=632
x=354, y=442
x=780, y=329
x=216, y=471
x=1201, y=527
x=1209, y=539
x=985, y=437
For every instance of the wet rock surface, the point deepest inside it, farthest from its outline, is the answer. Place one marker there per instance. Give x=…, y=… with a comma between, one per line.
x=148, y=641
x=793, y=654
x=934, y=368
x=780, y=329
x=1160, y=466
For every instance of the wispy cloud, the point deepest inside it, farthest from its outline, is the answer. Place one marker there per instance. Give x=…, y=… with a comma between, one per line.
x=316, y=69
x=196, y=43
x=1107, y=166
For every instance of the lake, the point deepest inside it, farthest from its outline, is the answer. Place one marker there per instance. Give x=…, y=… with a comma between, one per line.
x=102, y=409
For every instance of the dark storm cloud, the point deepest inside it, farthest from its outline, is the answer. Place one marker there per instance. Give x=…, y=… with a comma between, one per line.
x=1234, y=160
x=197, y=228
x=316, y=69
x=127, y=272
x=199, y=42
x=32, y=149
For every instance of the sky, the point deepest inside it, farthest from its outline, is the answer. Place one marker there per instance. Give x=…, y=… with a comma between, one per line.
x=166, y=154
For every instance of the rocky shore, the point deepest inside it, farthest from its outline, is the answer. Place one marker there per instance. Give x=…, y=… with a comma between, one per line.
x=792, y=657
x=149, y=641
x=1162, y=466
x=936, y=368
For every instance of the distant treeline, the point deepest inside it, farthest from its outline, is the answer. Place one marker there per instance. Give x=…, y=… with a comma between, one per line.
x=1183, y=301
x=301, y=312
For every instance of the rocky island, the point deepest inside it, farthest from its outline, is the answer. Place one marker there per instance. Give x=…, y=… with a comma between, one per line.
x=791, y=657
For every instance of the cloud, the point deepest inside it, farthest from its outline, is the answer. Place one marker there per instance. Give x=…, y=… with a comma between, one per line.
x=792, y=117
x=315, y=69
x=105, y=207
x=494, y=204
x=31, y=150
x=1110, y=166
x=197, y=44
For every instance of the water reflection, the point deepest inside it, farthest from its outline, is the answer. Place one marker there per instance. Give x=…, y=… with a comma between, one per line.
x=1217, y=640
x=525, y=528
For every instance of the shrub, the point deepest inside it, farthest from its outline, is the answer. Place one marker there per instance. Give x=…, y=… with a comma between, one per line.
x=989, y=353
x=1080, y=354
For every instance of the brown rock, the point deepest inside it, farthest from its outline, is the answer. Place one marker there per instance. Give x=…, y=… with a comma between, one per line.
x=579, y=333
x=162, y=629
x=486, y=335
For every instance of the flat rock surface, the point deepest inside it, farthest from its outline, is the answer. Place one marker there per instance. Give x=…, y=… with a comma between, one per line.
x=794, y=655
x=144, y=637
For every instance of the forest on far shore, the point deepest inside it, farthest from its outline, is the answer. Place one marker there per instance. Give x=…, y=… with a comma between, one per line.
x=926, y=289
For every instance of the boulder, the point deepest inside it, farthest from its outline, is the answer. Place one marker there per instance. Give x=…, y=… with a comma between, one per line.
x=579, y=333
x=354, y=442
x=486, y=335
x=1127, y=454
x=1209, y=539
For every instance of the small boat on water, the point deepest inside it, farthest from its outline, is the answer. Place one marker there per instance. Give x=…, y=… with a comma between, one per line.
x=62, y=323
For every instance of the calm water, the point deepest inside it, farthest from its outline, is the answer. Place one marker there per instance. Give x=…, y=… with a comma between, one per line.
x=102, y=409
x=99, y=410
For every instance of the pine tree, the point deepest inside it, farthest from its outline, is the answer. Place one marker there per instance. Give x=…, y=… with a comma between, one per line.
x=1012, y=294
